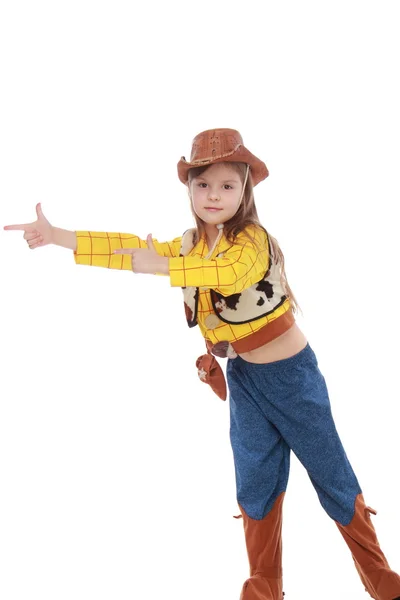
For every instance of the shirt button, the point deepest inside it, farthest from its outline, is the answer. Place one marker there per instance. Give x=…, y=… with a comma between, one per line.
x=212, y=321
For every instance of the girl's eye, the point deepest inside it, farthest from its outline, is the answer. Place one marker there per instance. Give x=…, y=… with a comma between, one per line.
x=226, y=184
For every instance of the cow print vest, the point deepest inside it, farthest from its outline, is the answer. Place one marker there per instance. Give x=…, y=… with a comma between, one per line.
x=255, y=302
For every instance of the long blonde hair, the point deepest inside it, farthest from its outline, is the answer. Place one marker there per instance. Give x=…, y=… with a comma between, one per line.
x=246, y=215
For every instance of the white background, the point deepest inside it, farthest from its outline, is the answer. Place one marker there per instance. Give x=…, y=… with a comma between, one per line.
x=116, y=472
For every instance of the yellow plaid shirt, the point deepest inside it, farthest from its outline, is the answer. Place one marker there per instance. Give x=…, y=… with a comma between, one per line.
x=240, y=267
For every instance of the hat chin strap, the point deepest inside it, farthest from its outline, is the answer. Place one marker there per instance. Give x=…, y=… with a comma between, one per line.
x=244, y=187
x=220, y=226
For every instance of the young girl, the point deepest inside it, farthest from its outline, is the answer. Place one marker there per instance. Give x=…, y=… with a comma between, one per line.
x=233, y=278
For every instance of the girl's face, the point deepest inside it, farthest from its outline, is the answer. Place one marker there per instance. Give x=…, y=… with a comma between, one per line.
x=215, y=194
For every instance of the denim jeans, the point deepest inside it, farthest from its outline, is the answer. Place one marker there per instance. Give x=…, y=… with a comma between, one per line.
x=278, y=407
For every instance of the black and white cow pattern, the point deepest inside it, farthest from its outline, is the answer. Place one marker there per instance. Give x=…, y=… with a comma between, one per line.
x=257, y=301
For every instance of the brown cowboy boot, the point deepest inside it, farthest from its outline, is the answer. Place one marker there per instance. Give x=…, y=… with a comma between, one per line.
x=264, y=549
x=379, y=580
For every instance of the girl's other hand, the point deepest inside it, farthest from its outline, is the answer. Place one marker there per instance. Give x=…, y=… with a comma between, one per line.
x=146, y=260
x=38, y=233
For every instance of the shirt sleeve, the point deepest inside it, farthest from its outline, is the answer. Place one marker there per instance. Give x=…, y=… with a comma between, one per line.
x=239, y=268
x=96, y=249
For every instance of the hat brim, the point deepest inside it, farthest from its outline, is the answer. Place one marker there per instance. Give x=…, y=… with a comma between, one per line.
x=258, y=168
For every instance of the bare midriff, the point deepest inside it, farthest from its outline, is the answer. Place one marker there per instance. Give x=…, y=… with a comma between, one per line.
x=286, y=345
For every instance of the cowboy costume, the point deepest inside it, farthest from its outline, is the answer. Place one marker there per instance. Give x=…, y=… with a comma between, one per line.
x=233, y=292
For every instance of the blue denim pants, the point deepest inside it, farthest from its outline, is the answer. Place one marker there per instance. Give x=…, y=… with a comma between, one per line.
x=281, y=406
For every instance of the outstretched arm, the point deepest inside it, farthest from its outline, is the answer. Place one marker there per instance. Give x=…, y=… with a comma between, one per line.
x=114, y=250
x=100, y=249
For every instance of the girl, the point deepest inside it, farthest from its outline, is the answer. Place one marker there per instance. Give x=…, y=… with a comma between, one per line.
x=233, y=278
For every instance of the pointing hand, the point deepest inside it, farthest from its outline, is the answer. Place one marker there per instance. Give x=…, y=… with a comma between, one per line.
x=38, y=233
x=146, y=260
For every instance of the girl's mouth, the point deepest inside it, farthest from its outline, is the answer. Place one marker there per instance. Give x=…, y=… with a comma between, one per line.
x=213, y=209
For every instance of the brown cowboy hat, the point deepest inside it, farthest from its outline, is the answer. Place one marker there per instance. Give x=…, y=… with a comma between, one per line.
x=221, y=145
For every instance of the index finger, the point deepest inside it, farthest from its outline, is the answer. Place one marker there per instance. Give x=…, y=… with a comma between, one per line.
x=26, y=227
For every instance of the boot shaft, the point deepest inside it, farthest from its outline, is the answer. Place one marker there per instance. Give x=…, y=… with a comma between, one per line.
x=372, y=566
